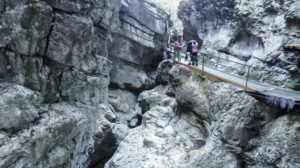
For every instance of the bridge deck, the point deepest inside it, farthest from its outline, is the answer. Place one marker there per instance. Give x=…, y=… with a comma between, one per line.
x=251, y=86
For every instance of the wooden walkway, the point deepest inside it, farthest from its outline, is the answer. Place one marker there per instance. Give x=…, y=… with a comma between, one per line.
x=284, y=97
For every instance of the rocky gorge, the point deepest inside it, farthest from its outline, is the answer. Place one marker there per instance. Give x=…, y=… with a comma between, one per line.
x=197, y=122
x=70, y=72
x=82, y=85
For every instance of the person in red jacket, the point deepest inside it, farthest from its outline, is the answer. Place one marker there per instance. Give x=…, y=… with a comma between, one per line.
x=177, y=51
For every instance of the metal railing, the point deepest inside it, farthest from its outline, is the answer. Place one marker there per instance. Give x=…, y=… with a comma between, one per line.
x=248, y=73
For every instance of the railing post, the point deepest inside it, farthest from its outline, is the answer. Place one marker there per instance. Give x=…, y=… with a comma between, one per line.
x=247, y=78
x=202, y=64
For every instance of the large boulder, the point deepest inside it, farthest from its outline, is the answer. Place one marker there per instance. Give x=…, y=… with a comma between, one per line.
x=18, y=106
x=162, y=140
x=190, y=91
x=163, y=76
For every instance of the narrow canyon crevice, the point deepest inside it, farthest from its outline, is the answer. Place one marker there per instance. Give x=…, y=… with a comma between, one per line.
x=84, y=83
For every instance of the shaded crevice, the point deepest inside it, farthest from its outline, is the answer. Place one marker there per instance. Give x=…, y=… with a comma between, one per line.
x=2, y=6
x=127, y=88
x=49, y=34
x=8, y=49
x=135, y=121
x=104, y=151
x=241, y=162
x=64, y=11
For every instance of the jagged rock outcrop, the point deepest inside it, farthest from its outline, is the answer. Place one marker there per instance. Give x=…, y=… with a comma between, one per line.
x=43, y=135
x=19, y=106
x=66, y=53
x=24, y=28
x=230, y=129
x=163, y=68
x=277, y=146
x=162, y=138
x=250, y=32
x=57, y=61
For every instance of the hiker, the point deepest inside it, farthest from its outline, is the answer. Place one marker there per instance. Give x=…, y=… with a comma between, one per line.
x=167, y=53
x=194, y=54
x=188, y=49
x=177, y=51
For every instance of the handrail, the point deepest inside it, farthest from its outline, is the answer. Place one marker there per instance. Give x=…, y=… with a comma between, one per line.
x=244, y=64
x=249, y=75
x=254, y=75
x=225, y=59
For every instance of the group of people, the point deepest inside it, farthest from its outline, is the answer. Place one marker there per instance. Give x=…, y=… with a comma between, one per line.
x=191, y=51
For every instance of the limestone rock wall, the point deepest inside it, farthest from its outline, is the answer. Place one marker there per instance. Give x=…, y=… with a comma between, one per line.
x=136, y=47
x=57, y=61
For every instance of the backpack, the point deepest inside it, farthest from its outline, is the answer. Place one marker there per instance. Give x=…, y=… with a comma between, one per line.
x=195, y=48
x=189, y=46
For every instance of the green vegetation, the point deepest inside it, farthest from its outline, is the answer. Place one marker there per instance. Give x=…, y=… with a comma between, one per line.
x=35, y=5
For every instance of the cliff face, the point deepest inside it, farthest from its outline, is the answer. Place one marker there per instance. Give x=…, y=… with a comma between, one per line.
x=57, y=60
x=193, y=121
x=137, y=44
x=251, y=32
